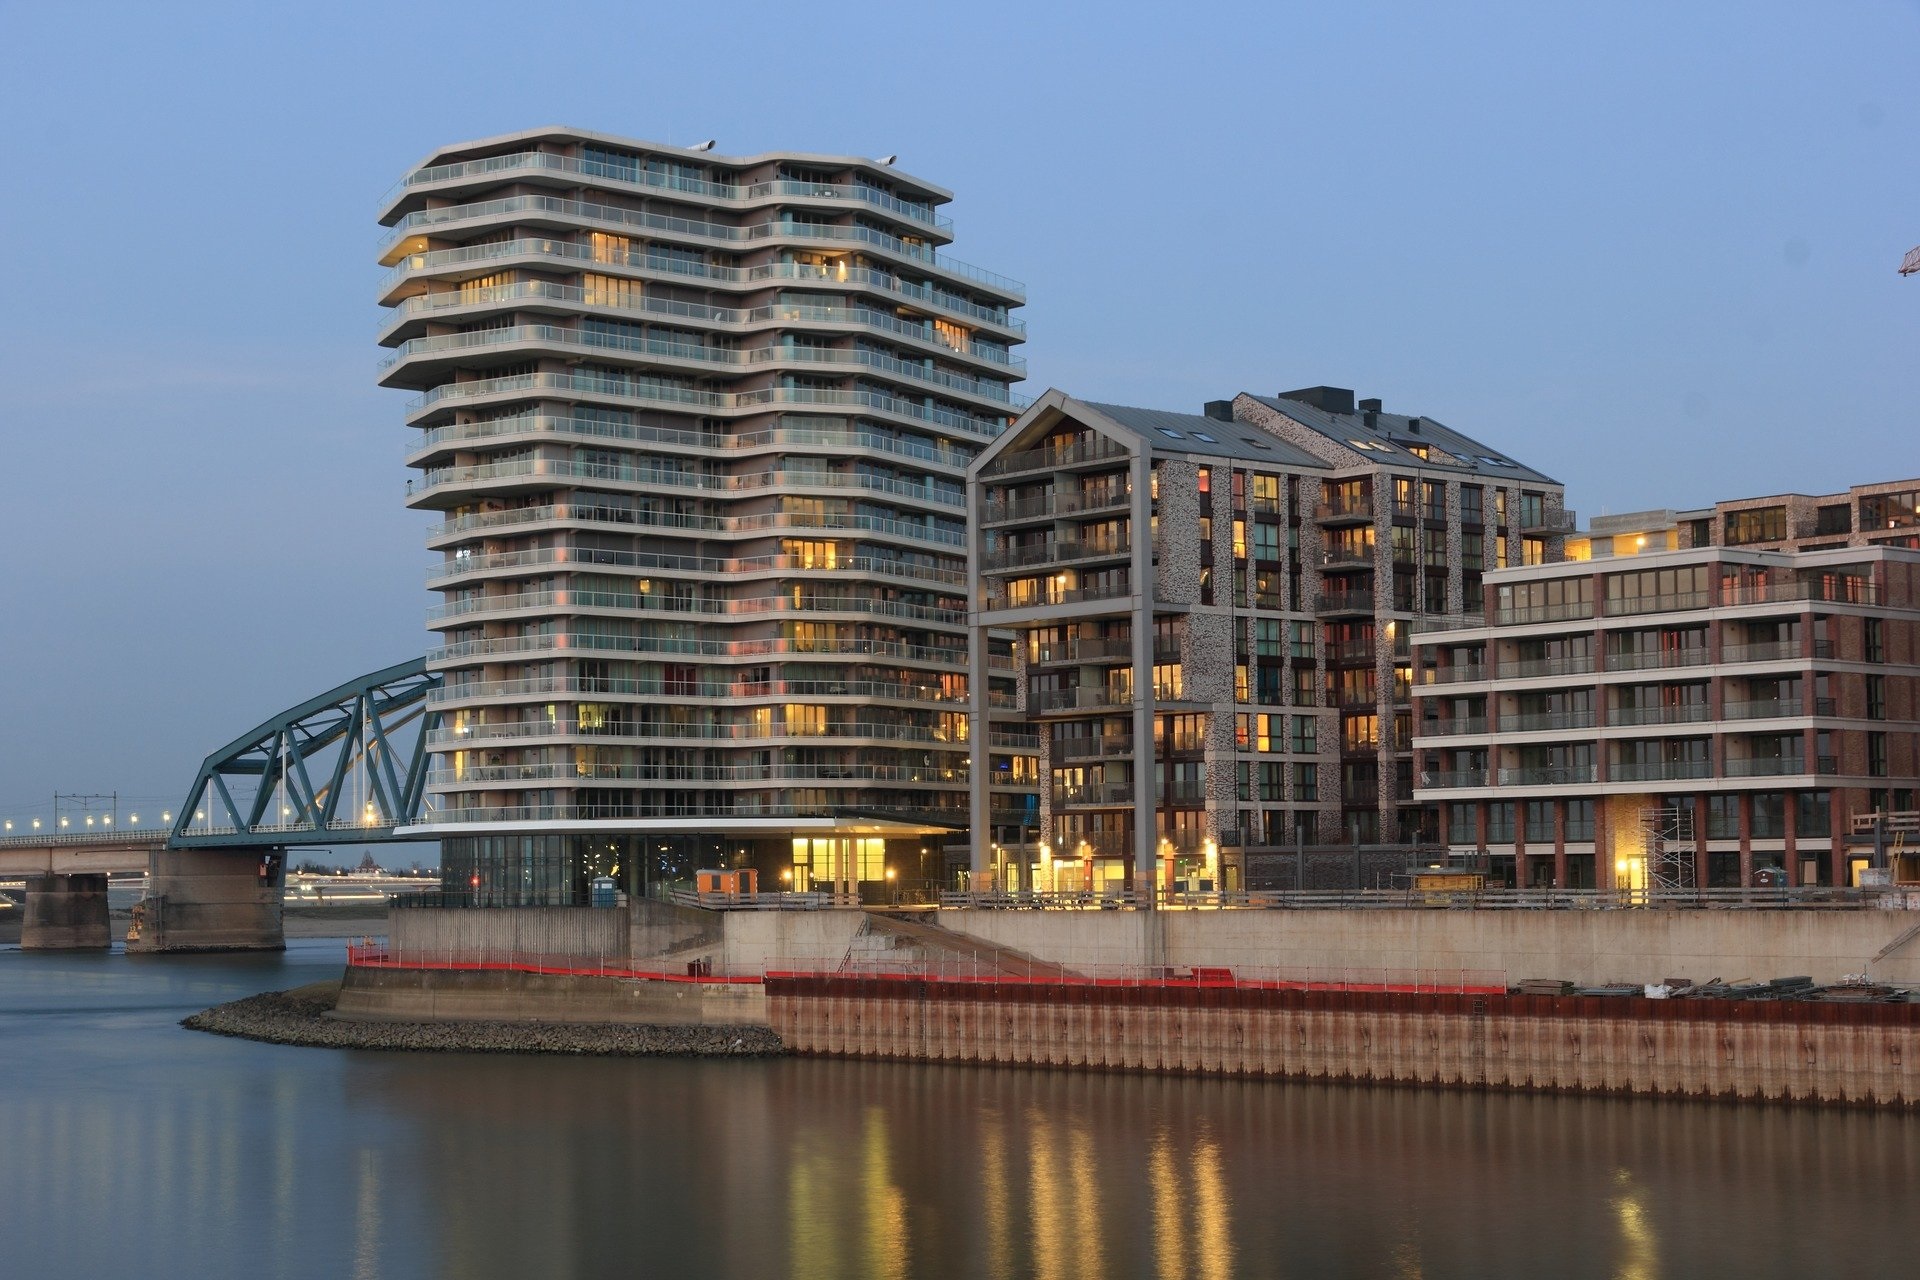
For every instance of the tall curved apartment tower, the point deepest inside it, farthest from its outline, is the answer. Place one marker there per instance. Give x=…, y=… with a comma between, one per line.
x=696, y=430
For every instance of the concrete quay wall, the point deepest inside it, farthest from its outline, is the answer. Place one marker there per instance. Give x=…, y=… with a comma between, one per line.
x=441, y=995
x=1861, y=1055
x=1585, y=947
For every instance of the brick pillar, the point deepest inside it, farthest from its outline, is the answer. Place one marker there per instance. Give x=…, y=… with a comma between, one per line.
x=1560, y=845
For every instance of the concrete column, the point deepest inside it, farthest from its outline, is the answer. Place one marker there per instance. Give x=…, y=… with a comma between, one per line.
x=211, y=900
x=66, y=913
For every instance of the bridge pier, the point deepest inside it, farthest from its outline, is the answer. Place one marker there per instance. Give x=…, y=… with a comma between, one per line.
x=66, y=913
x=211, y=900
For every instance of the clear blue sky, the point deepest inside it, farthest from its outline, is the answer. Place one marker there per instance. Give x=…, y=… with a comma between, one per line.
x=1648, y=248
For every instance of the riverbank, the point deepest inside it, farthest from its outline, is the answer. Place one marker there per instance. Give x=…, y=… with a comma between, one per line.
x=303, y=1016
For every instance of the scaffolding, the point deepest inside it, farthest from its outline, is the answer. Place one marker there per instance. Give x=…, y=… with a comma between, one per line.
x=1667, y=844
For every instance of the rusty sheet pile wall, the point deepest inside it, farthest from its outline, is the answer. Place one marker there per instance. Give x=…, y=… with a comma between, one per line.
x=1773, y=1050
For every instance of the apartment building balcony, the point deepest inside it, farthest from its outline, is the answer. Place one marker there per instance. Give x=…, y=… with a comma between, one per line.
x=1345, y=603
x=1571, y=611
x=1774, y=651
x=1458, y=674
x=412, y=274
x=1053, y=701
x=1090, y=449
x=1659, y=660
x=1678, y=713
x=1683, y=602
x=1091, y=650
x=1545, y=776
x=564, y=515
x=1092, y=794
x=1186, y=791
x=1847, y=590
x=615, y=687
x=1052, y=505
x=1548, y=522
x=1660, y=771
x=1448, y=726
x=1056, y=551
x=471, y=735
x=1763, y=766
x=1103, y=747
x=997, y=601
x=1534, y=668
x=1347, y=557
x=410, y=316
x=1776, y=708
x=561, y=213
x=1533, y=722
x=1345, y=511
x=1447, y=779
x=570, y=171
x=659, y=392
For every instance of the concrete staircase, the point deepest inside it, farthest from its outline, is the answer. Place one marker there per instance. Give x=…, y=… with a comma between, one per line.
x=891, y=936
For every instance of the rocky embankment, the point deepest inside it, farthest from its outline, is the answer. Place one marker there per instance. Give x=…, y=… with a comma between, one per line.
x=301, y=1017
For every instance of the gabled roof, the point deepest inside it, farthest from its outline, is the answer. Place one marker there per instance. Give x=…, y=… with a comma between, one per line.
x=1157, y=430
x=1387, y=439
x=1192, y=433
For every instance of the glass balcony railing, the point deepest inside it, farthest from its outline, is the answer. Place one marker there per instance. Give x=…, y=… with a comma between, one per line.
x=539, y=291
x=636, y=175
x=660, y=391
x=931, y=295
x=556, y=208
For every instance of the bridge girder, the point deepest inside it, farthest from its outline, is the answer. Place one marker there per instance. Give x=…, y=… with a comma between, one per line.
x=351, y=733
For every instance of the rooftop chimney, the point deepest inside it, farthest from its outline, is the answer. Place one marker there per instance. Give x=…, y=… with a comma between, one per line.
x=1370, y=405
x=1326, y=399
x=1219, y=410
x=1413, y=425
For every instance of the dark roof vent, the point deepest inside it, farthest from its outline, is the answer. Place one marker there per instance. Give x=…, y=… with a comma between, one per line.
x=1373, y=406
x=1371, y=417
x=1219, y=410
x=1325, y=399
x=1413, y=425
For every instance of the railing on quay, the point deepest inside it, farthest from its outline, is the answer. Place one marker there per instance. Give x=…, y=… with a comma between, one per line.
x=1401, y=898
x=986, y=969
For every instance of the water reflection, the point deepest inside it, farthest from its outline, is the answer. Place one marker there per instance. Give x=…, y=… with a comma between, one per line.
x=134, y=1147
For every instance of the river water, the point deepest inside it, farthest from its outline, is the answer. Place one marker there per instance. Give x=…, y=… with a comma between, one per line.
x=131, y=1147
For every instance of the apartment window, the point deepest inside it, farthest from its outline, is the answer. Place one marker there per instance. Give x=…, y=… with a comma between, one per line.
x=1266, y=492
x=1304, y=687
x=1890, y=511
x=1266, y=542
x=1306, y=783
x=1168, y=682
x=1812, y=815
x=1760, y=524
x=1204, y=480
x=1874, y=640
x=1532, y=510
x=1266, y=637
x=1273, y=780
x=1500, y=822
x=1833, y=520
x=1769, y=815
x=1304, y=735
x=1461, y=826
x=1182, y=733
x=1539, y=815
x=1579, y=820
x=1243, y=781
x=1877, y=755
x=1533, y=551
x=1470, y=508
x=1300, y=640
x=1723, y=817
x=1876, y=697
x=1647, y=590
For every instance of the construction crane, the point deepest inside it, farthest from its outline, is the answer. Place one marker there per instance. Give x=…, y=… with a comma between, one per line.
x=1910, y=264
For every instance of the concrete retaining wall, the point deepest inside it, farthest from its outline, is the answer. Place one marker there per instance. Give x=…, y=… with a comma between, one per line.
x=432, y=995
x=555, y=931
x=1586, y=947
x=1715, y=1049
